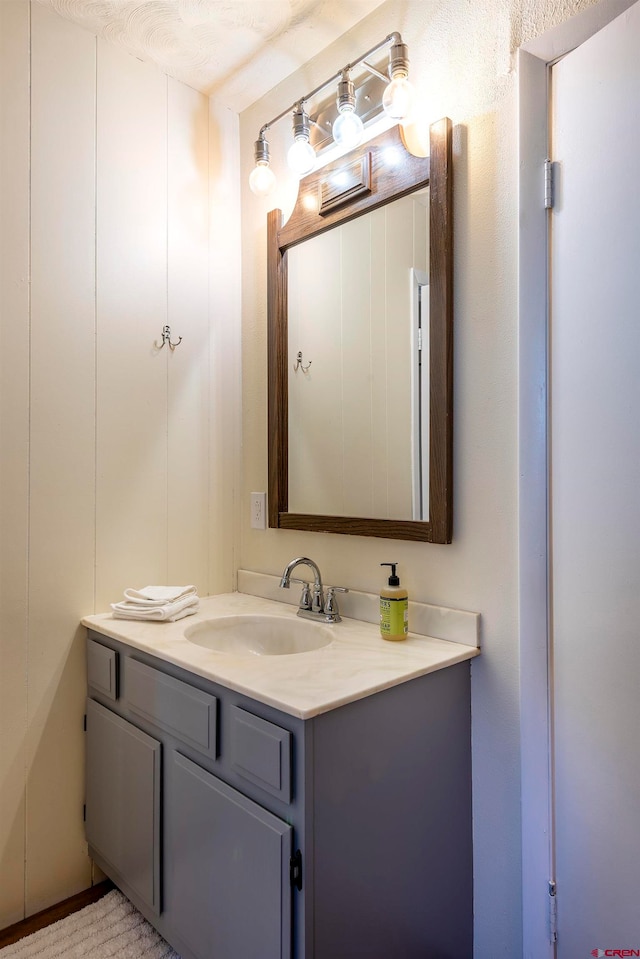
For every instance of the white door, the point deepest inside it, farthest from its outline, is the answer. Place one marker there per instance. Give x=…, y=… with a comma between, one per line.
x=595, y=491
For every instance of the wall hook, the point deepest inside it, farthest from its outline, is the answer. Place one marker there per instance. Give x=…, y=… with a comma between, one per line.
x=298, y=363
x=166, y=338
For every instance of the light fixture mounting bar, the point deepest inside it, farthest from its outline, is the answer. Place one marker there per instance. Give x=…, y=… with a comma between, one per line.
x=374, y=72
x=392, y=39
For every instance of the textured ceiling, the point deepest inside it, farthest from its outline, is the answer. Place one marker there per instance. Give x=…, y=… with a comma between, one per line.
x=235, y=50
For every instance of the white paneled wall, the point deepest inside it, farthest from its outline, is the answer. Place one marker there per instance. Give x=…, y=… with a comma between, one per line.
x=131, y=269
x=62, y=445
x=111, y=448
x=225, y=378
x=14, y=448
x=188, y=535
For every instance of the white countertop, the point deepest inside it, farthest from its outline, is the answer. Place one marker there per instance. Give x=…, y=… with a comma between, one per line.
x=355, y=664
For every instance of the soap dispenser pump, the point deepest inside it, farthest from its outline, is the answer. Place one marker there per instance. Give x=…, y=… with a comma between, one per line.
x=394, y=608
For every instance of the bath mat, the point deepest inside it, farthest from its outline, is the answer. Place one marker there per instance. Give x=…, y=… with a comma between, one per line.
x=107, y=929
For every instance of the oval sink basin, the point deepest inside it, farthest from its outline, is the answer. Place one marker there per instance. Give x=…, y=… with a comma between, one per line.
x=259, y=635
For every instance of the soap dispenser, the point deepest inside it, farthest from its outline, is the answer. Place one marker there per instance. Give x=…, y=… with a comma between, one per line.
x=394, y=608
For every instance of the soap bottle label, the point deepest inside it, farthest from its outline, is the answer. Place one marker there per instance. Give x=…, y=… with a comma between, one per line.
x=394, y=616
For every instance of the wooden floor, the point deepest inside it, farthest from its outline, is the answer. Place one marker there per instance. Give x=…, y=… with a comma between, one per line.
x=63, y=909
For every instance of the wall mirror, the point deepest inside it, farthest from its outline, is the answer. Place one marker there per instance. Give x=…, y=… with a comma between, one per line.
x=360, y=345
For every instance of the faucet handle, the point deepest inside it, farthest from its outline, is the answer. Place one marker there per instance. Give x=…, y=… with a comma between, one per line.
x=305, y=597
x=331, y=604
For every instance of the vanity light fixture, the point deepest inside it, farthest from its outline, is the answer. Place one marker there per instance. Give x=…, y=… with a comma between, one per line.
x=262, y=179
x=399, y=95
x=348, y=128
x=301, y=156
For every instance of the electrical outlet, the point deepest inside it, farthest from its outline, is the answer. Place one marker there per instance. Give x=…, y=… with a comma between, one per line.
x=258, y=511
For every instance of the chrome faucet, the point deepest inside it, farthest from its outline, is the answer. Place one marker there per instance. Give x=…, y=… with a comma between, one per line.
x=313, y=606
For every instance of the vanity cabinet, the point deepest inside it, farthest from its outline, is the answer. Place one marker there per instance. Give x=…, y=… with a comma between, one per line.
x=123, y=800
x=244, y=832
x=228, y=882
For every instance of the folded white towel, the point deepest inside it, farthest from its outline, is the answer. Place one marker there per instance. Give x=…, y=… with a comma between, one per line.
x=158, y=595
x=167, y=613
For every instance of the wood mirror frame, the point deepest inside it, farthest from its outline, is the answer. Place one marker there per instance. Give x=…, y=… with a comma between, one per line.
x=371, y=184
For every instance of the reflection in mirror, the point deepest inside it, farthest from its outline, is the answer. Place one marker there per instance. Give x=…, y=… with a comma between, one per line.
x=359, y=415
x=420, y=393
x=360, y=345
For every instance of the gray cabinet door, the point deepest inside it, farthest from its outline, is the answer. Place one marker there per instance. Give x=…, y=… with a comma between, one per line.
x=227, y=889
x=123, y=801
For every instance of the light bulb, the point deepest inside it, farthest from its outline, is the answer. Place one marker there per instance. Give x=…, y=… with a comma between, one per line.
x=398, y=98
x=348, y=129
x=262, y=179
x=301, y=156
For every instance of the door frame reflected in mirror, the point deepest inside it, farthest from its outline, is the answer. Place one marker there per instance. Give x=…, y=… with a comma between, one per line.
x=370, y=183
